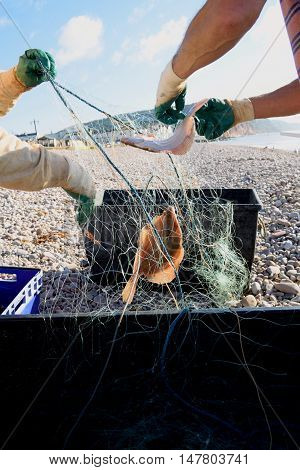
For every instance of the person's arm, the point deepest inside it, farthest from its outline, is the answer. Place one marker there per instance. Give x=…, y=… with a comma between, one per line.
x=27, y=167
x=34, y=67
x=218, y=116
x=31, y=167
x=215, y=30
x=282, y=102
x=10, y=90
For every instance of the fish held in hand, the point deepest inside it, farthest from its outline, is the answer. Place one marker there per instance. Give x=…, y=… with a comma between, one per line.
x=178, y=144
x=151, y=262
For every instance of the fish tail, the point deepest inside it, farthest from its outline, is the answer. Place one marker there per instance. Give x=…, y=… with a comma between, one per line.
x=129, y=289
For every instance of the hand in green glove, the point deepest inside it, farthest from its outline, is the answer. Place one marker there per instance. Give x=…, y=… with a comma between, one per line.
x=85, y=208
x=168, y=114
x=214, y=118
x=217, y=116
x=171, y=91
x=34, y=67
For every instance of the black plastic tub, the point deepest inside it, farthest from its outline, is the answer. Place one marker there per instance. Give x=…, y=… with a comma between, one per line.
x=227, y=377
x=117, y=222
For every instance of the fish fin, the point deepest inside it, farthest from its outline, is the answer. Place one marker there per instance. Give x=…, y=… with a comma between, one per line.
x=129, y=289
x=178, y=259
x=164, y=276
x=137, y=262
x=167, y=273
x=145, y=234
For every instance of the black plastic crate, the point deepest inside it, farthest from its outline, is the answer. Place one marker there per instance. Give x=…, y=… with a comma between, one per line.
x=118, y=220
x=50, y=366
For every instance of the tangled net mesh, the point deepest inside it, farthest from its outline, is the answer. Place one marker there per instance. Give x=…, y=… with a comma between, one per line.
x=213, y=272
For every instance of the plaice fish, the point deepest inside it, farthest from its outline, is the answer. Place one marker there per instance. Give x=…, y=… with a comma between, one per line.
x=150, y=260
x=178, y=144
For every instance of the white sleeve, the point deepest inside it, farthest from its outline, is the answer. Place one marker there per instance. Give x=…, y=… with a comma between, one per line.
x=32, y=168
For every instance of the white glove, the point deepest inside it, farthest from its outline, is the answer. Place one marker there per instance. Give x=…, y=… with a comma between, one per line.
x=170, y=86
x=171, y=90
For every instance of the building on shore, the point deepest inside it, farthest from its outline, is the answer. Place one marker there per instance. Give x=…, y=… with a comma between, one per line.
x=31, y=137
x=48, y=141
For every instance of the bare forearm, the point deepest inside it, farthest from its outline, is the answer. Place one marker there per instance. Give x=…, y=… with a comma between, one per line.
x=282, y=102
x=216, y=29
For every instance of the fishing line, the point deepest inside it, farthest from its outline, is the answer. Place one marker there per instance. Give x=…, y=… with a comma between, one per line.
x=258, y=389
x=113, y=118
x=163, y=371
x=110, y=116
x=15, y=24
x=81, y=126
x=164, y=249
x=119, y=172
x=30, y=405
x=133, y=190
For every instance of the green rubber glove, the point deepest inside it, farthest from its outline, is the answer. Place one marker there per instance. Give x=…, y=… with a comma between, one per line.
x=214, y=118
x=85, y=208
x=169, y=114
x=30, y=72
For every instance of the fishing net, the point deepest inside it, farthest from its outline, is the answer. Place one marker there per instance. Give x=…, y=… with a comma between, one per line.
x=213, y=271
x=134, y=188
x=132, y=191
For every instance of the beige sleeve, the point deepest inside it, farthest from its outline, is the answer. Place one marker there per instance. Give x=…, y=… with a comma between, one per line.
x=10, y=90
x=242, y=109
x=31, y=168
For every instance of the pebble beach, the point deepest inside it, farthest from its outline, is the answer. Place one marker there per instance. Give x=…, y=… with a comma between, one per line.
x=40, y=230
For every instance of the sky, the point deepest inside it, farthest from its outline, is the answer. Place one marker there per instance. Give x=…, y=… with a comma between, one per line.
x=112, y=54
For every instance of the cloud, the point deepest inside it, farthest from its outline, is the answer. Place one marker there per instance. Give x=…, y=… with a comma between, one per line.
x=80, y=38
x=170, y=35
x=149, y=48
x=139, y=13
x=3, y=21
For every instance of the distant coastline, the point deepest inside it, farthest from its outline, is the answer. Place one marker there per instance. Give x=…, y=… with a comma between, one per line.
x=271, y=140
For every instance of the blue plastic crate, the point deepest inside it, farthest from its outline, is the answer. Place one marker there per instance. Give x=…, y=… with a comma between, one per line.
x=20, y=296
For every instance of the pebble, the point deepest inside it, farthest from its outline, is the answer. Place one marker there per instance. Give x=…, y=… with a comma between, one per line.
x=273, y=271
x=287, y=245
x=266, y=304
x=289, y=266
x=287, y=287
x=249, y=301
x=295, y=215
x=292, y=272
x=273, y=299
x=21, y=252
x=255, y=288
x=283, y=222
x=269, y=288
x=29, y=215
x=278, y=234
x=49, y=255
